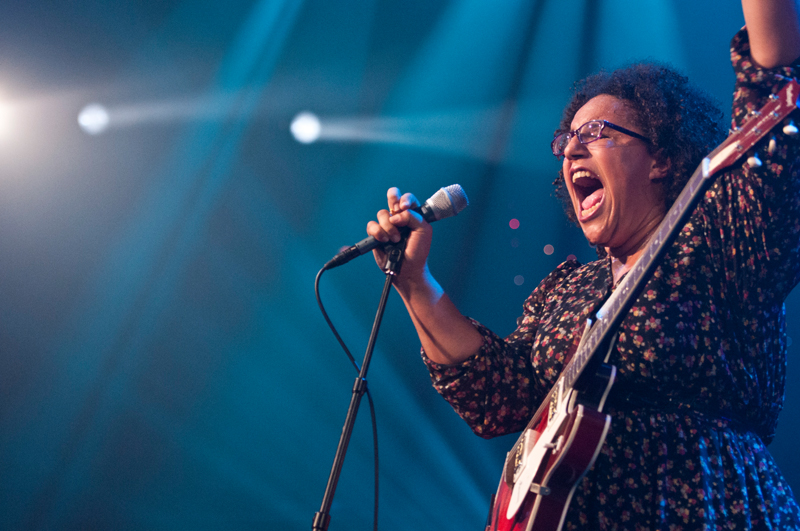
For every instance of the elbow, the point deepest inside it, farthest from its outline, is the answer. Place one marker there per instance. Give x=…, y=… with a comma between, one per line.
x=781, y=48
x=776, y=58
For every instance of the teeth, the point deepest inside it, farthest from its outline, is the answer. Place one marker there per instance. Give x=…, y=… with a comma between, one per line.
x=581, y=173
x=590, y=210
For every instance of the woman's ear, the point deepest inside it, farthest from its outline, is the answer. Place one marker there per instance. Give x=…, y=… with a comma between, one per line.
x=661, y=166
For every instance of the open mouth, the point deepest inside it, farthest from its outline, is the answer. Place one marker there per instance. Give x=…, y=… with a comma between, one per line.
x=589, y=192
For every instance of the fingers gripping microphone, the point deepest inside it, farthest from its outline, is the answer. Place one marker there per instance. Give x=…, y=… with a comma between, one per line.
x=445, y=203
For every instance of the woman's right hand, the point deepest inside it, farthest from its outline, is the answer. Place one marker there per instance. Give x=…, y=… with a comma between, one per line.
x=386, y=229
x=447, y=336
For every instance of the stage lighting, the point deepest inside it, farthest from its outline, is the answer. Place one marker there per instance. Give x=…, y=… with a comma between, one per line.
x=93, y=119
x=306, y=127
x=5, y=120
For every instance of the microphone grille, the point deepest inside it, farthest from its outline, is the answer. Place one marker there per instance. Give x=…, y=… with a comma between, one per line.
x=448, y=201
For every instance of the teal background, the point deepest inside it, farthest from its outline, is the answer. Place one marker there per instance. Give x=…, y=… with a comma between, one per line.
x=163, y=363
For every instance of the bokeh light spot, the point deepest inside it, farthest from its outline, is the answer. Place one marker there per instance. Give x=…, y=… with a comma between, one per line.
x=519, y=280
x=93, y=119
x=548, y=249
x=514, y=223
x=572, y=257
x=515, y=242
x=306, y=127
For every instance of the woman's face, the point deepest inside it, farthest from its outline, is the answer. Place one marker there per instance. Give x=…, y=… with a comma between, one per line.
x=614, y=182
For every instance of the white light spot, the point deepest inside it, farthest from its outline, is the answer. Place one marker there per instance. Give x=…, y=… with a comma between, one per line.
x=519, y=280
x=305, y=127
x=93, y=119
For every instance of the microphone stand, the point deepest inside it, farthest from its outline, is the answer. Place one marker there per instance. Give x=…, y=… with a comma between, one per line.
x=394, y=260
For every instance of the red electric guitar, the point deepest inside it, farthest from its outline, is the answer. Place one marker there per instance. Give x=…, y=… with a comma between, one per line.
x=565, y=435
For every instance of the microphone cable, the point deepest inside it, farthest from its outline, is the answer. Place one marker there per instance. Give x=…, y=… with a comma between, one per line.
x=369, y=395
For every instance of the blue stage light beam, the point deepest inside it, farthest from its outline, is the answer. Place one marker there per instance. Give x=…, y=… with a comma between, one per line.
x=457, y=132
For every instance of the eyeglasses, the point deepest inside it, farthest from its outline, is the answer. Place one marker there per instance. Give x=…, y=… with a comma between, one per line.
x=588, y=133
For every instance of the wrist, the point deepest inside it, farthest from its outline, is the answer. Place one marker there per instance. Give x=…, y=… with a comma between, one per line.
x=419, y=285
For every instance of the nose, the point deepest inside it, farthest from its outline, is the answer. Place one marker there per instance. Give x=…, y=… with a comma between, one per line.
x=575, y=149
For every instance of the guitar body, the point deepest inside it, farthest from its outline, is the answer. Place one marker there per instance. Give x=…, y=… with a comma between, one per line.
x=584, y=434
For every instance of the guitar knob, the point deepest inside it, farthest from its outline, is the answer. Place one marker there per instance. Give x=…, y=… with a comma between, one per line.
x=753, y=161
x=790, y=129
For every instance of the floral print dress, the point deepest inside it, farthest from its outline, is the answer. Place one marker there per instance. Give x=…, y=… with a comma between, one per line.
x=700, y=357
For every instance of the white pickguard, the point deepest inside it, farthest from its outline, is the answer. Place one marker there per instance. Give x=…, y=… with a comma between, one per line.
x=532, y=462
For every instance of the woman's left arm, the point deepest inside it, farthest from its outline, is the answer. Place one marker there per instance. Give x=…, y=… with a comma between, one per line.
x=774, y=30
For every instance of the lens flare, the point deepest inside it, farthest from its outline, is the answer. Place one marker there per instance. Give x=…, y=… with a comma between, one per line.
x=93, y=119
x=306, y=127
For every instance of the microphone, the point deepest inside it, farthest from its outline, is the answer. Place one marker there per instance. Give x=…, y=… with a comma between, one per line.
x=445, y=203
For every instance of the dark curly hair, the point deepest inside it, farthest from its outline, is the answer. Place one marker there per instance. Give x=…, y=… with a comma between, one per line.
x=682, y=122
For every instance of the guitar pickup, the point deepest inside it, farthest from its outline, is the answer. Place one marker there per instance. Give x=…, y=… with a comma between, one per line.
x=540, y=490
x=531, y=436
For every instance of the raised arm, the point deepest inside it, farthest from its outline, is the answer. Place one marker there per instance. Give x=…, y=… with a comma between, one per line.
x=446, y=335
x=774, y=31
